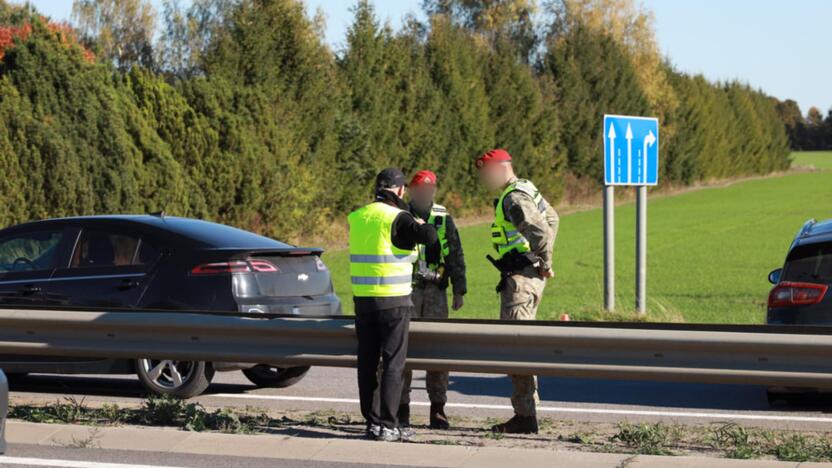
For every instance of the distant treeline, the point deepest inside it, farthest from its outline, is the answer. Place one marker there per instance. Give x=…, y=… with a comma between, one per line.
x=239, y=112
x=810, y=133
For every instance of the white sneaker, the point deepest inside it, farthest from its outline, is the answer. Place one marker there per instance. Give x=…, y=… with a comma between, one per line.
x=389, y=435
x=406, y=434
x=373, y=431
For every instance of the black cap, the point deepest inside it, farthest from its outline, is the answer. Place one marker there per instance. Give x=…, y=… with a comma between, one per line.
x=390, y=177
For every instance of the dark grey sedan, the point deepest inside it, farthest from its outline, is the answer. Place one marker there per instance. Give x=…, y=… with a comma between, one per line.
x=165, y=263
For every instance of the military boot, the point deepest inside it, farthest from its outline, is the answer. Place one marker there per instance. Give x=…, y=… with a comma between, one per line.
x=517, y=425
x=404, y=415
x=438, y=420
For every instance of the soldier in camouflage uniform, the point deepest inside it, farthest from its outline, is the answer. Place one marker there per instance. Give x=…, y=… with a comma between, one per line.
x=430, y=285
x=523, y=235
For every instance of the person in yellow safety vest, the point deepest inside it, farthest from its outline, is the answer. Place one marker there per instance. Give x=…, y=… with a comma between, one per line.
x=430, y=284
x=523, y=237
x=383, y=242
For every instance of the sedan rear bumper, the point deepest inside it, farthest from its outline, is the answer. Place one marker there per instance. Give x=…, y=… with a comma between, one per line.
x=811, y=315
x=312, y=306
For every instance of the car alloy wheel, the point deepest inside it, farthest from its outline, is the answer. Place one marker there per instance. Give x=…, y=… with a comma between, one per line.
x=180, y=379
x=168, y=374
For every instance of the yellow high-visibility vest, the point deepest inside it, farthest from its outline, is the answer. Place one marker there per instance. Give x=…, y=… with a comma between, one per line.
x=377, y=267
x=437, y=218
x=504, y=235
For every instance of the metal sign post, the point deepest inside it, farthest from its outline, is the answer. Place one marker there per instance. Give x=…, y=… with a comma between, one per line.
x=641, y=250
x=609, y=248
x=638, y=169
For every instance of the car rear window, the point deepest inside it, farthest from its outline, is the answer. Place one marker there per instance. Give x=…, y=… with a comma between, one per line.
x=810, y=263
x=219, y=235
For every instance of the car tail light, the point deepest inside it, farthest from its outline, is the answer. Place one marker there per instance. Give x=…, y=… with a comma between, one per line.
x=239, y=266
x=790, y=294
x=319, y=264
x=263, y=266
x=220, y=268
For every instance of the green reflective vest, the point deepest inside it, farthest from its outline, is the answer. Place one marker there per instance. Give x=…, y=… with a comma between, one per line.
x=504, y=235
x=437, y=218
x=377, y=267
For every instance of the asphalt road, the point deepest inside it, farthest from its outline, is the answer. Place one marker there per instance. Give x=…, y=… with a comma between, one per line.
x=471, y=395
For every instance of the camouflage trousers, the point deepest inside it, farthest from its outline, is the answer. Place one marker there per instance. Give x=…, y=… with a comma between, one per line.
x=519, y=300
x=429, y=301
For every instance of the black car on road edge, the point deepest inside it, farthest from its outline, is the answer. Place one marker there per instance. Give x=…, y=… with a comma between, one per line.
x=800, y=295
x=158, y=262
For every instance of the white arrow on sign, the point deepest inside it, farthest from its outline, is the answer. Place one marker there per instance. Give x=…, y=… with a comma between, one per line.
x=629, y=137
x=649, y=140
x=611, y=135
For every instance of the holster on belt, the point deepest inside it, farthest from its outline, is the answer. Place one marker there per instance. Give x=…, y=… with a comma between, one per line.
x=512, y=263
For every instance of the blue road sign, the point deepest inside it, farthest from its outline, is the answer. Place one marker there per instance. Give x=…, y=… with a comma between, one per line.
x=631, y=150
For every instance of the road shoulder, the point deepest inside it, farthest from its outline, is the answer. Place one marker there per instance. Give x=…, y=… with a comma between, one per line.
x=344, y=449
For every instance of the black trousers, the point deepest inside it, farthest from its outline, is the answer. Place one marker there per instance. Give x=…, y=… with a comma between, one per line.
x=382, y=334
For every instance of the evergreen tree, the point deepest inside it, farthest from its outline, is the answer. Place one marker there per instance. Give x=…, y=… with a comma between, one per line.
x=523, y=111
x=370, y=72
x=252, y=121
x=457, y=64
x=594, y=78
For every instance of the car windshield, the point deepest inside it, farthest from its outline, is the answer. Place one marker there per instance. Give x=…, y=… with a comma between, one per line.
x=810, y=263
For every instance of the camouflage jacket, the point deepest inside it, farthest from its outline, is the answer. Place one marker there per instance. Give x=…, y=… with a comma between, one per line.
x=539, y=228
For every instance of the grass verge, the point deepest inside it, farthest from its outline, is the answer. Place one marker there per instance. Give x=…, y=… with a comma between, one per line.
x=728, y=440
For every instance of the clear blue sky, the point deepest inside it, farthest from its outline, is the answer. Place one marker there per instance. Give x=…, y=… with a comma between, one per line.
x=780, y=46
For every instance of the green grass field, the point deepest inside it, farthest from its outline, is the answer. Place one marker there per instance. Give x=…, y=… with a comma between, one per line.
x=815, y=159
x=709, y=252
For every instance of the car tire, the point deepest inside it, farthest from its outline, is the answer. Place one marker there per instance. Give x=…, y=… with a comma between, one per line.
x=12, y=376
x=267, y=376
x=180, y=379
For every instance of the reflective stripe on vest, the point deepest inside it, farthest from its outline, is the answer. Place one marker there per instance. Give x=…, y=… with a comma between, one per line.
x=377, y=267
x=437, y=218
x=504, y=235
x=371, y=280
x=408, y=258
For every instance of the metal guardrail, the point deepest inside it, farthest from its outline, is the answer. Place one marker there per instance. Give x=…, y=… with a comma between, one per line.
x=628, y=352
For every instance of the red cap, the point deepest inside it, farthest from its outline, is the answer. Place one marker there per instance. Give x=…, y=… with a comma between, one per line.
x=493, y=156
x=423, y=178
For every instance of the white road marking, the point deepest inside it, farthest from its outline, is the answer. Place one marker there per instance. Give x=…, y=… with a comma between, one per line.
x=4, y=461
x=555, y=409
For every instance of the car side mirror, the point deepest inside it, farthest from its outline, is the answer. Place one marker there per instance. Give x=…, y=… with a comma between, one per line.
x=774, y=276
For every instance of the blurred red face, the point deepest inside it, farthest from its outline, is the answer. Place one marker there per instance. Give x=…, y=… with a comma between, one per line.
x=422, y=196
x=493, y=176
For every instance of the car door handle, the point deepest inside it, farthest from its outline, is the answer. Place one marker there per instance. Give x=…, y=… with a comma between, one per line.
x=30, y=289
x=128, y=284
